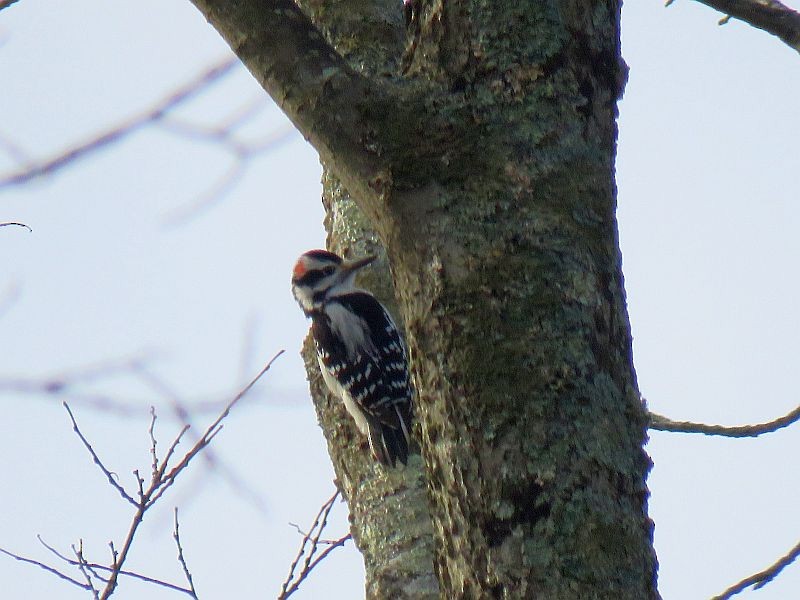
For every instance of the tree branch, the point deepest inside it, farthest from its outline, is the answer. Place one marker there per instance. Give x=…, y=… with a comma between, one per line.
x=161, y=481
x=769, y=15
x=332, y=105
x=762, y=578
x=121, y=130
x=7, y=3
x=47, y=568
x=109, y=475
x=662, y=423
x=181, y=559
x=314, y=538
x=16, y=225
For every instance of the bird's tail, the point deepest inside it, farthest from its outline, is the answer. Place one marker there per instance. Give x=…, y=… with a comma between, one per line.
x=388, y=444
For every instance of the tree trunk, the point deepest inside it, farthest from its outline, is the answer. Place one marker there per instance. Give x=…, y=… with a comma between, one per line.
x=483, y=157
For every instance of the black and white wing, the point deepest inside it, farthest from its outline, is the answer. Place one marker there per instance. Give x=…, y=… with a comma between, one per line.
x=363, y=360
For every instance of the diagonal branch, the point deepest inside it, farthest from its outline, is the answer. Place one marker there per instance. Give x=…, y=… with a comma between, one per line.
x=94, y=567
x=165, y=480
x=662, y=423
x=176, y=535
x=769, y=15
x=47, y=568
x=15, y=225
x=109, y=475
x=759, y=580
x=313, y=539
x=7, y=3
x=121, y=130
x=332, y=105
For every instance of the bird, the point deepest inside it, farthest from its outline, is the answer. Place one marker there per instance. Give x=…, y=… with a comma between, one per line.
x=360, y=351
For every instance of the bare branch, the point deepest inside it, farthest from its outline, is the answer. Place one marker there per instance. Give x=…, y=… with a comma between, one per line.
x=171, y=450
x=209, y=197
x=333, y=545
x=206, y=438
x=161, y=480
x=16, y=225
x=123, y=129
x=99, y=567
x=69, y=384
x=762, y=578
x=243, y=154
x=661, y=423
x=7, y=3
x=84, y=569
x=314, y=539
x=63, y=383
x=768, y=15
x=153, y=443
x=181, y=559
x=109, y=475
x=122, y=555
x=15, y=151
x=47, y=568
x=321, y=94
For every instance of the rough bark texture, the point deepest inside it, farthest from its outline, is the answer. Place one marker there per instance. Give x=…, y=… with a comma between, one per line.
x=483, y=157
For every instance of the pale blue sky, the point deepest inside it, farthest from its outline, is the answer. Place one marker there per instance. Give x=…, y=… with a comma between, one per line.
x=708, y=174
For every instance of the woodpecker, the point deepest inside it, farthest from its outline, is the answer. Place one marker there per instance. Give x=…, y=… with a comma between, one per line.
x=359, y=349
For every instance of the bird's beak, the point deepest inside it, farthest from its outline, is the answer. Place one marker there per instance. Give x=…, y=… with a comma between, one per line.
x=355, y=265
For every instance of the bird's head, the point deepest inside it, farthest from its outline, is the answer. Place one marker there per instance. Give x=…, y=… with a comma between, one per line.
x=319, y=274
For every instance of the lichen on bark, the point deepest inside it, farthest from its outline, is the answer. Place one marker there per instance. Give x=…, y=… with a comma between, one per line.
x=482, y=161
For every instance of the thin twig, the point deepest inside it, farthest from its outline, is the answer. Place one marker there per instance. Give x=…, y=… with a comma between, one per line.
x=301, y=551
x=123, y=129
x=212, y=459
x=171, y=450
x=762, y=578
x=768, y=15
x=109, y=475
x=181, y=559
x=210, y=196
x=9, y=224
x=333, y=545
x=206, y=438
x=86, y=572
x=47, y=568
x=243, y=154
x=131, y=574
x=122, y=555
x=67, y=384
x=304, y=534
x=662, y=423
x=314, y=538
x=164, y=481
x=161, y=480
x=153, y=443
x=11, y=148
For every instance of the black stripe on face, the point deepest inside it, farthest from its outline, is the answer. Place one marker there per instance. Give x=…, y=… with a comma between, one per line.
x=313, y=276
x=310, y=278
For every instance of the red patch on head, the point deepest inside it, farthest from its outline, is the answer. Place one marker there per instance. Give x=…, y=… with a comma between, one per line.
x=299, y=269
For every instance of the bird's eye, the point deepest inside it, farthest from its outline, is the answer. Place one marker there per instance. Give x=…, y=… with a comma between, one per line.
x=329, y=270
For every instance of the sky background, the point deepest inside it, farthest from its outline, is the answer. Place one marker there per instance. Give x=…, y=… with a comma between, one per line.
x=127, y=262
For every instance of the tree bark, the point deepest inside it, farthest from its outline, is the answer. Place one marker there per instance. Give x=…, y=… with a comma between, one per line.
x=483, y=159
